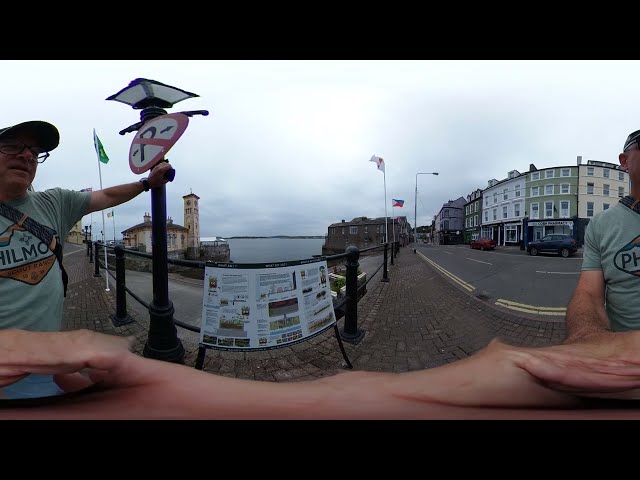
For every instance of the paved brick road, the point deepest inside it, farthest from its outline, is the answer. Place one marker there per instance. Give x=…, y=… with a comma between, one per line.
x=417, y=320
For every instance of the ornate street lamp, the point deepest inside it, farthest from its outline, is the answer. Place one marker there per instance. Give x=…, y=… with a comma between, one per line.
x=415, y=206
x=152, y=98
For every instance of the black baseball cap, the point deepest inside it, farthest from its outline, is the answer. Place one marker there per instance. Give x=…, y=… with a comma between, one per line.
x=634, y=137
x=46, y=134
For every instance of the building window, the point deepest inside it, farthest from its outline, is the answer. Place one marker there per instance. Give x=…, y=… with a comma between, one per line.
x=486, y=202
x=475, y=221
x=589, y=209
x=605, y=189
x=535, y=191
x=589, y=171
x=590, y=188
x=564, y=188
x=548, y=209
x=366, y=229
x=605, y=206
x=486, y=216
x=620, y=192
x=504, y=212
x=535, y=176
x=353, y=230
x=516, y=210
x=548, y=189
x=549, y=174
x=534, y=211
x=495, y=213
x=605, y=173
x=505, y=194
x=343, y=230
x=476, y=208
x=565, y=172
x=564, y=209
x=621, y=176
x=495, y=197
x=511, y=233
x=517, y=191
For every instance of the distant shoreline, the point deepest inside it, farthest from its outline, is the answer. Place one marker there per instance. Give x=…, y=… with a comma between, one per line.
x=282, y=236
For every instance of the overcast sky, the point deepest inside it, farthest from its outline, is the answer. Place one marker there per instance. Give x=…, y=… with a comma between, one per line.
x=286, y=146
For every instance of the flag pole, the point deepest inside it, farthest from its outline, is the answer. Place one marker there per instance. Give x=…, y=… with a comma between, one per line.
x=106, y=265
x=113, y=217
x=393, y=223
x=386, y=235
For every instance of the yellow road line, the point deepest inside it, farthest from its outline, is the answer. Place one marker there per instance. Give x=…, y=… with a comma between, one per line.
x=520, y=307
x=459, y=281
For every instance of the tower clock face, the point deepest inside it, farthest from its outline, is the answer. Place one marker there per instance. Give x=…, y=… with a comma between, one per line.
x=188, y=202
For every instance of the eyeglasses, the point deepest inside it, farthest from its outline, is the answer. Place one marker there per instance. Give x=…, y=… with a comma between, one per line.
x=17, y=148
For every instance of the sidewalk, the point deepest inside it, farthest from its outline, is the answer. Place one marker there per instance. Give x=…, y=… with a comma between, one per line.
x=417, y=320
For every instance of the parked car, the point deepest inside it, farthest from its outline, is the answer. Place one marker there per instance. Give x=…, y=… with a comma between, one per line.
x=483, y=244
x=562, y=244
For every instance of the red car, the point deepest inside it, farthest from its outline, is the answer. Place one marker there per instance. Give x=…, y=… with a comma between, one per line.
x=483, y=244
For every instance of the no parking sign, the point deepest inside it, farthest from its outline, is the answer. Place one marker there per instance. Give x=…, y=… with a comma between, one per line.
x=154, y=139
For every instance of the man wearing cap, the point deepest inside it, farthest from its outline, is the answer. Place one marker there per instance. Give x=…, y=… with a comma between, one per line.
x=31, y=278
x=605, y=307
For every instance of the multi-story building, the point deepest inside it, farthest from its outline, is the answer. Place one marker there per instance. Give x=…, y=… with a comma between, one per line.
x=503, y=209
x=362, y=232
x=139, y=236
x=473, y=216
x=449, y=223
x=601, y=184
x=552, y=202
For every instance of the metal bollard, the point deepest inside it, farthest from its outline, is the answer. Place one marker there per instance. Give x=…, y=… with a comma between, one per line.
x=350, y=332
x=121, y=317
x=89, y=243
x=385, y=276
x=96, y=272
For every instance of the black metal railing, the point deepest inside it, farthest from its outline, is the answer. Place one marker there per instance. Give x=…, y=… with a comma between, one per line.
x=346, y=306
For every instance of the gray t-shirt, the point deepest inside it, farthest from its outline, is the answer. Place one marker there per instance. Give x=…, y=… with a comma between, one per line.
x=31, y=291
x=610, y=244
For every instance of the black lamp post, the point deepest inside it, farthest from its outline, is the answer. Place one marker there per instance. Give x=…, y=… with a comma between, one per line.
x=152, y=97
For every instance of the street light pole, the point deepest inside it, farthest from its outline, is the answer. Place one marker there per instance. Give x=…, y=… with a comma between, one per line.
x=415, y=206
x=152, y=98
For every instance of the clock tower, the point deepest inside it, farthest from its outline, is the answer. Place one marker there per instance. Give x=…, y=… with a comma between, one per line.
x=192, y=223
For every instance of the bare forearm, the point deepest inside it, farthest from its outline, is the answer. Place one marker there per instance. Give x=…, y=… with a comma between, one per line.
x=112, y=196
x=586, y=317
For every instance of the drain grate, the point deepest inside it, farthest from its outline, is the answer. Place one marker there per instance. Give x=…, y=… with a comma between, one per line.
x=483, y=297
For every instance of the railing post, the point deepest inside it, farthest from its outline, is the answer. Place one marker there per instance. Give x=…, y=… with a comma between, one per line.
x=121, y=317
x=350, y=332
x=96, y=272
x=89, y=244
x=392, y=251
x=385, y=276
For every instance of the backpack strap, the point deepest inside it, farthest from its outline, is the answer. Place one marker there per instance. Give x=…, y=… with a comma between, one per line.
x=45, y=234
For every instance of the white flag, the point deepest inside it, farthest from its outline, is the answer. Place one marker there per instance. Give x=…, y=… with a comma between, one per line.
x=379, y=161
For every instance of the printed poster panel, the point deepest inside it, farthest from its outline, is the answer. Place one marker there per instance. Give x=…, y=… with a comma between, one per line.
x=262, y=306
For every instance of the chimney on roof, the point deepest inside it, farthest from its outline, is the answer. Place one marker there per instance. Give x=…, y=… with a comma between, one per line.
x=342, y=221
x=147, y=218
x=579, y=160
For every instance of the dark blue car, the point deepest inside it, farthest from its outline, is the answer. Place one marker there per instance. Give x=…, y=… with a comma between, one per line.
x=562, y=244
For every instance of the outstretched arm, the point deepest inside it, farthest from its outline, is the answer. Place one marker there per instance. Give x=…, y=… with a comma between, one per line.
x=586, y=317
x=112, y=196
x=497, y=382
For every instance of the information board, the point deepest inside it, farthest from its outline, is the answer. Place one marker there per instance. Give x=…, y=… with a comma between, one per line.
x=262, y=306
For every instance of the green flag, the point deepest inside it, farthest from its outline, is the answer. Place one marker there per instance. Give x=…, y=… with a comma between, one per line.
x=102, y=156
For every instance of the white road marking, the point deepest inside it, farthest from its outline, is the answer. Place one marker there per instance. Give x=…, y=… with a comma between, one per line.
x=559, y=273
x=479, y=261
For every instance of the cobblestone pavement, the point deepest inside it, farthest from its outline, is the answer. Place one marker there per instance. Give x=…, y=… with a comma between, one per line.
x=416, y=320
